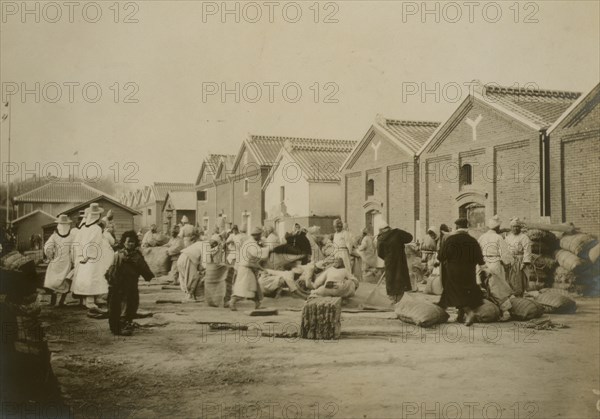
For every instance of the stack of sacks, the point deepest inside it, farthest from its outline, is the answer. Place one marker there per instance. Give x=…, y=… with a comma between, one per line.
x=15, y=261
x=543, y=264
x=579, y=264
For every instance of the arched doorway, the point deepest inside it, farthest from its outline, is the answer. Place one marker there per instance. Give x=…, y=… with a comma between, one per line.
x=475, y=213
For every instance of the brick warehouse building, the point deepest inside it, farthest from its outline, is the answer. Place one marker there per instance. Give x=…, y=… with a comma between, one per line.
x=380, y=174
x=214, y=192
x=575, y=164
x=150, y=200
x=304, y=185
x=491, y=157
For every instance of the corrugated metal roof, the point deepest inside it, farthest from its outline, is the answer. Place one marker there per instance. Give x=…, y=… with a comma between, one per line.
x=542, y=107
x=162, y=188
x=183, y=200
x=413, y=134
x=62, y=191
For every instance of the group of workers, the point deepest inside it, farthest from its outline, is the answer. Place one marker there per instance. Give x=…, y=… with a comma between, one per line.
x=87, y=261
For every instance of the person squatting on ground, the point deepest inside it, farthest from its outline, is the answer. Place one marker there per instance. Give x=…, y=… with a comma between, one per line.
x=390, y=248
x=520, y=247
x=122, y=276
x=246, y=283
x=459, y=255
x=335, y=281
x=496, y=255
x=59, y=250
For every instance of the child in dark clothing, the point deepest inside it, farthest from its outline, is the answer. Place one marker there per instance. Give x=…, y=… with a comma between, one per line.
x=122, y=276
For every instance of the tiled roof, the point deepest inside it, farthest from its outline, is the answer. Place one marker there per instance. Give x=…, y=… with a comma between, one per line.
x=99, y=200
x=542, y=107
x=578, y=110
x=162, y=188
x=183, y=200
x=211, y=164
x=228, y=161
x=61, y=191
x=266, y=148
x=412, y=134
x=319, y=160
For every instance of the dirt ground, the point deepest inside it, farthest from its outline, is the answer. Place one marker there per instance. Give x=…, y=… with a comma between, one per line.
x=174, y=366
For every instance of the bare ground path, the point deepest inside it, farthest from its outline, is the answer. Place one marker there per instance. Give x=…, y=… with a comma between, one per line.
x=175, y=366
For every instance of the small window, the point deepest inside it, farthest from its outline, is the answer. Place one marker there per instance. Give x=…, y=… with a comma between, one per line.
x=201, y=195
x=149, y=211
x=370, y=187
x=466, y=174
x=282, y=193
x=246, y=185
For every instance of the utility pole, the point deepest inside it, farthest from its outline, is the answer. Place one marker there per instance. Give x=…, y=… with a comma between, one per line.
x=6, y=116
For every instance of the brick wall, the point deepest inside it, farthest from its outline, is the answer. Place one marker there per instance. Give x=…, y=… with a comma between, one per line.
x=401, y=196
x=516, y=175
x=575, y=168
x=223, y=196
x=501, y=146
x=394, y=193
x=581, y=162
x=250, y=201
x=354, y=198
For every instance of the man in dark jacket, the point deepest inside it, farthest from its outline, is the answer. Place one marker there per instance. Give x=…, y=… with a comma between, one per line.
x=123, y=294
x=390, y=248
x=459, y=255
x=299, y=240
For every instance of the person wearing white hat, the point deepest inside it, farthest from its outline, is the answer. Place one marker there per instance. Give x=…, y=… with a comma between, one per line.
x=496, y=255
x=95, y=256
x=246, y=283
x=390, y=248
x=520, y=247
x=186, y=231
x=59, y=250
x=343, y=244
x=189, y=266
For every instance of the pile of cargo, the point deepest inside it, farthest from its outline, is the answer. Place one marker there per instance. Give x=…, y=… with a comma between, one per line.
x=578, y=264
x=543, y=264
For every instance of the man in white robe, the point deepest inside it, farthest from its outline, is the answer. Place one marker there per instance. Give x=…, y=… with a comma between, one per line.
x=496, y=255
x=246, y=282
x=186, y=231
x=95, y=256
x=342, y=241
x=59, y=250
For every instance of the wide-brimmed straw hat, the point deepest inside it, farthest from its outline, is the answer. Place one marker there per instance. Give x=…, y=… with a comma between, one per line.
x=63, y=219
x=95, y=209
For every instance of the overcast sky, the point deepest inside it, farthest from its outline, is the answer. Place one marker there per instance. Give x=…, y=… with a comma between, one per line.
x=361, y=55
